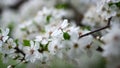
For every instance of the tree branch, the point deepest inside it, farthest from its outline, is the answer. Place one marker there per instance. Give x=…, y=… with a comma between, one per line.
x=107, y=26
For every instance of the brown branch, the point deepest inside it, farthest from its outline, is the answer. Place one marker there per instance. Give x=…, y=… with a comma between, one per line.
x=107, y=26
x=19, y=51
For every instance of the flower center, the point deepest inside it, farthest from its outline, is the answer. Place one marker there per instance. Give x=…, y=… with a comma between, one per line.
x=88, y=46
x=31, y=51
x=56, y=47
x=9, y=46
x=75, y=45
x=116, y=38
x=1, y=37
x=50, y=32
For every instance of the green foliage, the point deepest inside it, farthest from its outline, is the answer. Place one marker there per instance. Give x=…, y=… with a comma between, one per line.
x=10, y=61
x=44, y=47
x=23, y=29
x=26, y=42
x=66, y=36
x=48, y=18
x=110, y=4
x=117, y=4
x=11, y=27
x=16, y=41
x=61, y=6
x=86, y=28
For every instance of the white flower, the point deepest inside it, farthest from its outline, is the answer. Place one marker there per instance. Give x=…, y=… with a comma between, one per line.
x=80, y=46
x=57, y=33
x=113, y=35
x=45, y=57
x=49, y=15
x=107, y=8
x=112, y=46
x=3, y=36
x=64, y=24
x=8, y=48
x=38, y=38
x=60, y=29
x=55, y=46
x=93, y=20
x=31, y=53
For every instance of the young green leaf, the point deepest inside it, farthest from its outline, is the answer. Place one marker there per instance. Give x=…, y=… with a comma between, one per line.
x=41, y=45
x=46, y=46
x=61, y=6
x=11, y=27
x=16, y=41
x=48, y=18
x=110, y=4
x=117, y=4
x=23, y=29
x=66, y=36
x=26, y=42
x=86, y=28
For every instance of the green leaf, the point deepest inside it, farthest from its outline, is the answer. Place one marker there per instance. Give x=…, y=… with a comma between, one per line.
x=110, y=4
x=0, y=31
x=41, y=45
x=48, y=18
x=86, y=28
x=11, y=27
x=61, y=6
x=16, y=41
x=23, y=29
x=66, y=36
x=26, y=42
x=43, y=31
x=46, y=46
x=117, y=4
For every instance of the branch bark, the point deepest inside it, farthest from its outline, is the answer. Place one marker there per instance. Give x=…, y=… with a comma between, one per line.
x=97, y=30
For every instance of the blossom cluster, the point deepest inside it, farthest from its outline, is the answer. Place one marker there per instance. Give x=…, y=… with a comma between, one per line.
x=44, y=31
x=62, y=38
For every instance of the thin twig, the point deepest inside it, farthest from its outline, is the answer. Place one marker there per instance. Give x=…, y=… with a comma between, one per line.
x=107, y=26
x=19, y=51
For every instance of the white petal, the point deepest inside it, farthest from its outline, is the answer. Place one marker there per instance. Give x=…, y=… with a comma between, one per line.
x=10, y=41
x=5, y=33
x=38, y=38
x=32, y=44
x=5, y=38
x=89, y=53
x=26, y=50
x=36, y=45
x=1, y=43
x=64, y=24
